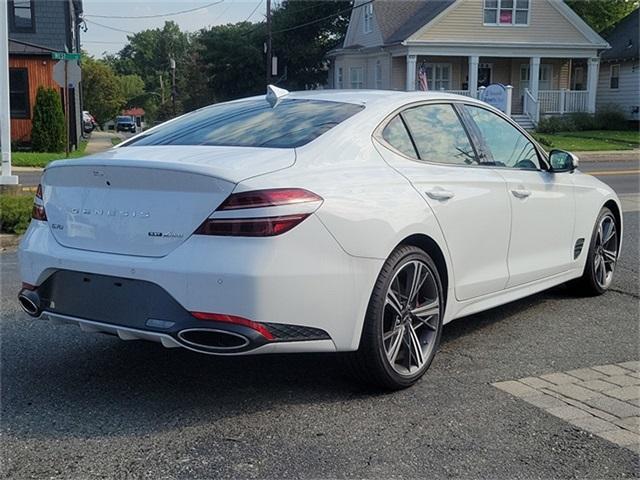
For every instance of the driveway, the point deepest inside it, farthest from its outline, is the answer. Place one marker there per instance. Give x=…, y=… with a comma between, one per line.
x=78, y=405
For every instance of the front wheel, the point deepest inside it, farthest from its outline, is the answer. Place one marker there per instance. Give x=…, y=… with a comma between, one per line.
x=602, y=256
x=403, y=323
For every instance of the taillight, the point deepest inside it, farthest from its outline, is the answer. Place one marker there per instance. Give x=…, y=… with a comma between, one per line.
x=273, y=197
x=37, y=212
x=261, y=226
x=220, y=317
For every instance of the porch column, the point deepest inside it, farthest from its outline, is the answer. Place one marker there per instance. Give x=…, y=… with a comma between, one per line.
x=473, y=76
x=411, y=72
x=534, y=76
x=593, y=65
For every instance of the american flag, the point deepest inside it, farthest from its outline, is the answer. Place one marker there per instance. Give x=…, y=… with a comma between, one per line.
x=422, y=78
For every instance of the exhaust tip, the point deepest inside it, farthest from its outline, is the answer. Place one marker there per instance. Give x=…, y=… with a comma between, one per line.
x=212, y=340
x=30, y=302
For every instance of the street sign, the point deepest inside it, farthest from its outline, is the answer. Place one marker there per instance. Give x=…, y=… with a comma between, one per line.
x=73, y=73
x=65, y=56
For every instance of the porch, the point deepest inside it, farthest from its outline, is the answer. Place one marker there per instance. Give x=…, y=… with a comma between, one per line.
x=541, y=86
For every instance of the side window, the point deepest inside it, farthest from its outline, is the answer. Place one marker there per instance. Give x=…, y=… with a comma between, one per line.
x=439, y=136
x=506, y=145
x=397, y=136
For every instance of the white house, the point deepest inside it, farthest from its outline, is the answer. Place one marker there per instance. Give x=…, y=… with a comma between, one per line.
x=619, y=84
x=541, y=47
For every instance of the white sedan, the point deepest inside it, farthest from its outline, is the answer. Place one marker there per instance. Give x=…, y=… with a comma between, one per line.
x=326, y=221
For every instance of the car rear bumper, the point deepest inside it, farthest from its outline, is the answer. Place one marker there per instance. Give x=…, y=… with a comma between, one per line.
x=300, y=280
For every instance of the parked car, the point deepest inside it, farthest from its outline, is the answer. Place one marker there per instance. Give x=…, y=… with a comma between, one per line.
x=316, y=221
x=125, y=123
x=88, y=122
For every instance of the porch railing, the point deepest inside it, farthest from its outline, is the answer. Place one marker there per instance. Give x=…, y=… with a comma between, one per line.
x=466, y=93
x=531, y=107
x=563, y=101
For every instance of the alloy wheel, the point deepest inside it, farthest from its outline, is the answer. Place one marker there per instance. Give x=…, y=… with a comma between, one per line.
x=411, y=316
x=605, y=251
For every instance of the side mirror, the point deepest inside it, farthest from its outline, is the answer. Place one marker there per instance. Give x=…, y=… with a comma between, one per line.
x=562, y=161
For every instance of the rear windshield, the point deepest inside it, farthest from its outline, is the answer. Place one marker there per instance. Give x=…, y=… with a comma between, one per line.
x=252, y=123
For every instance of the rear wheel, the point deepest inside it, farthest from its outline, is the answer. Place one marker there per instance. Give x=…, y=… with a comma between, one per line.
x=404, y=321
x=602, y=256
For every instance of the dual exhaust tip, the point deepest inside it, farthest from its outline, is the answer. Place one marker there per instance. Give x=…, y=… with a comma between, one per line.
x=30, y=302
x=205, y=340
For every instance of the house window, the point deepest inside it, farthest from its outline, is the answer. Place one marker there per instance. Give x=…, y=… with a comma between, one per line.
x=340, y=79
x=378, y=76
x=544, y=77
x=506, y=12
x=368, y=18
x=19, y=93
x=357, y=77
x=614, y=76
x=439, y=76
x=21, y=16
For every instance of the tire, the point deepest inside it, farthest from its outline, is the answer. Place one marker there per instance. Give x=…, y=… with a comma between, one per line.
x=599, y=257
x=380, y=360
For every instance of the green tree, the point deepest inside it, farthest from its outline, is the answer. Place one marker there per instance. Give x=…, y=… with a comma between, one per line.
x=304, y=31
x=101, y=90
x=48, y=131
x=132, y=88
x=602, y=15
x=233, y=58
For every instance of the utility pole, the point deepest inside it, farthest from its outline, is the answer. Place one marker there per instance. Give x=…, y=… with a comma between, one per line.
x=5, y=118
x=268, y=47
x=172, y=63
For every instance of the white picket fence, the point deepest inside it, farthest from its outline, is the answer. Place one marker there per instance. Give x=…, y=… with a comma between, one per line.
x=563, y=101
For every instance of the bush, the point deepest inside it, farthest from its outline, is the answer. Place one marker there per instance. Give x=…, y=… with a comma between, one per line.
x=555, y=124
x=611, y=118
x=582, y=121
x=15, y=213
x=48, y=133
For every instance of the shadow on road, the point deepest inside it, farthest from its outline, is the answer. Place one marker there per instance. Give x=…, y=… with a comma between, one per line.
x=95, y=386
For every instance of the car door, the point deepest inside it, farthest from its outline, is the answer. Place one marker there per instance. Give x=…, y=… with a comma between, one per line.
x=429, y=146
x=542, y=202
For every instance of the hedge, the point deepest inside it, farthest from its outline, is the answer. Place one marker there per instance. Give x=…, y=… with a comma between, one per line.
x=15, y=213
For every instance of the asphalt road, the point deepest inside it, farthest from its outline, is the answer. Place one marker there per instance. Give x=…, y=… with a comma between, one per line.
x=78, y=405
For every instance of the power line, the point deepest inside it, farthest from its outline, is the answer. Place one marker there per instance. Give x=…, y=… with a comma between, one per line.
x=108, y=27
x=159, y=15
x=255, y=10
x=323, y=18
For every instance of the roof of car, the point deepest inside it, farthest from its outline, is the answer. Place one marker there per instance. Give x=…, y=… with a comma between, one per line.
x=374, y=97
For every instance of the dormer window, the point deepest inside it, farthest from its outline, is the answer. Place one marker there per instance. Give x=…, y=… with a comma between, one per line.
x=21, y=16
x=368, y=18
x=506, y=12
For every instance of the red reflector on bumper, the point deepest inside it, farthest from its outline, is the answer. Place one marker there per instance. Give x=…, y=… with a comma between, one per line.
x=220, y=317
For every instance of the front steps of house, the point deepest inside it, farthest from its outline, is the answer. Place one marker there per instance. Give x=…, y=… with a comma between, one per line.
x=524, y=121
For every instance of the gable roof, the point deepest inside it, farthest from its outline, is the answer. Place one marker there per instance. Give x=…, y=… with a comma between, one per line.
x=624, y=39
x=404, y=18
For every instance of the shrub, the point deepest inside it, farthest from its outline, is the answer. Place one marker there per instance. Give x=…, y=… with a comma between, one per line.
x=15, y=213
x=48, y=133
x=555, y=124
x=546, y=141
x=582, y=121
x=610, y=118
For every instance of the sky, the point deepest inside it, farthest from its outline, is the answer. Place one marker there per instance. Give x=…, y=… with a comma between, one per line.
x=98, y=40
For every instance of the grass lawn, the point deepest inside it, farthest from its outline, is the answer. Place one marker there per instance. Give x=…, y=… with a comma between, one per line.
x=591, y=140
x=115, y=141
x=40, y=159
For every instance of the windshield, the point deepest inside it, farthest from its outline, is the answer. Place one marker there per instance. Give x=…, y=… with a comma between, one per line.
x=252, y=123
x=124, y=119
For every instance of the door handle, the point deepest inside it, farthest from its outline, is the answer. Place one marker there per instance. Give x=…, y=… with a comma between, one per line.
x=439, y=193
x=520, y=193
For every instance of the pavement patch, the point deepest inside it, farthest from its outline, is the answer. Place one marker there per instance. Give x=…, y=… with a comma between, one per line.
x=603, y=400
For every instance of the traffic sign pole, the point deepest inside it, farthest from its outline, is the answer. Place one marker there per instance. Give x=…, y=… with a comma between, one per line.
x=66, y=106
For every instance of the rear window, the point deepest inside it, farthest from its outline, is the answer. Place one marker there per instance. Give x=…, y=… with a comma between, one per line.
x=252, y=123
